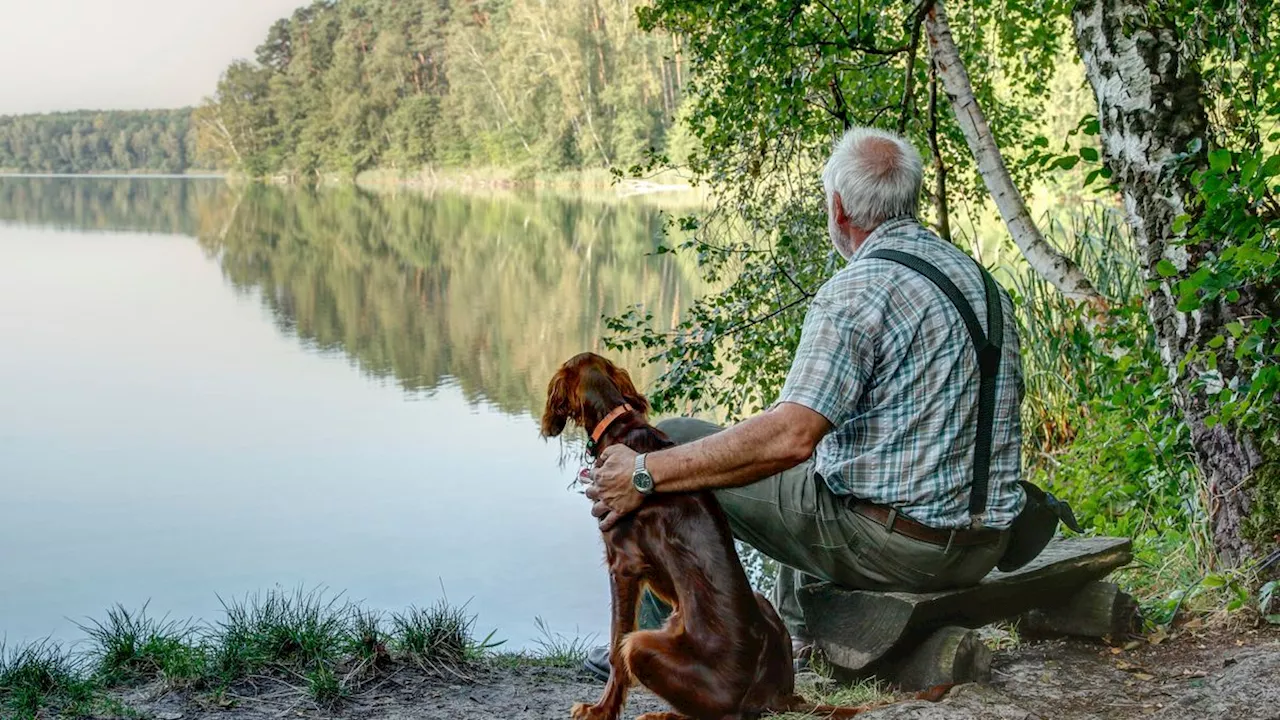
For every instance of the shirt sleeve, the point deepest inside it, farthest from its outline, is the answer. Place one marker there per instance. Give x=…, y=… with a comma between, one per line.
x=837, y=353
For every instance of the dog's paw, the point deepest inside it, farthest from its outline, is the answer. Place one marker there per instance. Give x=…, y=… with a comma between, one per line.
x=583, y=711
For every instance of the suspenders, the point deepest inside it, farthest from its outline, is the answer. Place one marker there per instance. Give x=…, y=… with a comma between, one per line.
x=988, y=351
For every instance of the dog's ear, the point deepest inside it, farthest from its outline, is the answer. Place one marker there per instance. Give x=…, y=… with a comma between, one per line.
x=559, y=407
x=622, y=380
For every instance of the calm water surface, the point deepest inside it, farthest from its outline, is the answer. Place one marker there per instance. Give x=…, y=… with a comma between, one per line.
x=211, y=391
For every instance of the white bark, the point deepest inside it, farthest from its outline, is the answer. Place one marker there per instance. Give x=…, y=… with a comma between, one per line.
x=1151, y=109
x=1044, y=258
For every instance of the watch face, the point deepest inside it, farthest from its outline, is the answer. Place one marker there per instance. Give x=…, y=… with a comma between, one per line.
x=643, y=481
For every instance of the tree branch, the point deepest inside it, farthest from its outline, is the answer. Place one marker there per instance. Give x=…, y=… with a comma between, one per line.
x=1045, y=259
x=909, y=84
x=939, y=167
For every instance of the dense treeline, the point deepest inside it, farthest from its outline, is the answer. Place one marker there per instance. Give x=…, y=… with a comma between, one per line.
x=158, y=141
x=407, y=84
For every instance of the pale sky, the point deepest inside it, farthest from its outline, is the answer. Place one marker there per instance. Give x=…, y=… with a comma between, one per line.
x=124, y=54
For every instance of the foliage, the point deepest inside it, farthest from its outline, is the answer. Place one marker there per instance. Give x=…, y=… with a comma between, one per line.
x=298, y=630
x=440, y=634
x=1236, y=198
x=315, y=642
x=42, y=674
x=557, y=650
x=773, y=83
x=155, y=141
x=130, y=646
x=346, y=86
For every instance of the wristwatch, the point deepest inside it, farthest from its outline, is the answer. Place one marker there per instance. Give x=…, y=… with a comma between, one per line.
x=641, y=478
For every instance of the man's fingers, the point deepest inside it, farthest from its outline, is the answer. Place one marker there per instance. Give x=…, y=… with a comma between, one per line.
x=604, y=455
x=592, y=492
x=608, y=521
x=599, y=509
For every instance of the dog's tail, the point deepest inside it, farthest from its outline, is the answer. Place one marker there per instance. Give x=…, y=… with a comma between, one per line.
x=840, y=712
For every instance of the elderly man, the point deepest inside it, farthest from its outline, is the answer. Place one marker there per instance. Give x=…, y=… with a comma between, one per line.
x=860, y=474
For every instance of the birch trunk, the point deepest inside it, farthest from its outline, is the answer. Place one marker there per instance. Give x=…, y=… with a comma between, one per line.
x=1150, y=108
x=1045, y=259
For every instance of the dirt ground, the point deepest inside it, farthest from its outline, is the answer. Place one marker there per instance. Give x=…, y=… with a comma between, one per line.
x=1196, y=673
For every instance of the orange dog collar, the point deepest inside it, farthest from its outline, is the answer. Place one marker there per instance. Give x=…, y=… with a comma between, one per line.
x=606, y=422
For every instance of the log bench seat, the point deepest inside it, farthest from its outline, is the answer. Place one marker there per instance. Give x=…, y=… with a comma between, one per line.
x=921, y=640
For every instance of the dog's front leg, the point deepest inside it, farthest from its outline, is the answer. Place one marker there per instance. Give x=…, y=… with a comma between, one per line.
x=626, y=589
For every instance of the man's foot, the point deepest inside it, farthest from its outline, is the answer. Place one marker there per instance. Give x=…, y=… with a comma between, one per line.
x=597, y=662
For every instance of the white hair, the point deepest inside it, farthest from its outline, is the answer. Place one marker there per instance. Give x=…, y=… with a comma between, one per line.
x=877, y=174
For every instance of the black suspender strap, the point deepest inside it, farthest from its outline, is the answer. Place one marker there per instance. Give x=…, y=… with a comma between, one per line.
x=988, y=351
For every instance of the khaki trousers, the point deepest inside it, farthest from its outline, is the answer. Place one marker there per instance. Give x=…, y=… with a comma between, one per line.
x=814, y=534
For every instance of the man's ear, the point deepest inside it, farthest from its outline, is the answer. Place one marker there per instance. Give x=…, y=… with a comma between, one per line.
x=559, y=405
x=838, y=211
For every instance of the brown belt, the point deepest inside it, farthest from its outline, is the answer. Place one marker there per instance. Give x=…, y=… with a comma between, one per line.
x=905, y=526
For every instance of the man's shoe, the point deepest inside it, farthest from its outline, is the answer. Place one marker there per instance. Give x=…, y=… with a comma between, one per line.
x=597, y=662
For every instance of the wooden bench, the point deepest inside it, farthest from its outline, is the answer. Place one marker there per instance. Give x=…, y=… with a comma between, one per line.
x=920, y=640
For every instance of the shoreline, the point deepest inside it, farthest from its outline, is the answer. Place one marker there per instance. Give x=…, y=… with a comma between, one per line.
x=312, y=654
x=490, y=178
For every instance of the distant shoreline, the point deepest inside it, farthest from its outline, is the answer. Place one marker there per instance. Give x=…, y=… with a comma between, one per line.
x=120, y=176
x=426, y=180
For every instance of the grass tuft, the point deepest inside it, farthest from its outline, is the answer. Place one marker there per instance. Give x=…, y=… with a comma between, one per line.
x=130, y=647
x=326, y=688
x=557, y=650
x=42, y=674
x=369, y=640
x=438, y=634
x=296, y=631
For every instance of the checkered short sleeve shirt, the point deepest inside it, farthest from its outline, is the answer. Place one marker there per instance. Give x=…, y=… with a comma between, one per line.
x=885, y=357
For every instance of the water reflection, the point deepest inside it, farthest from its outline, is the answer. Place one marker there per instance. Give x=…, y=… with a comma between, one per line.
x=490, y=292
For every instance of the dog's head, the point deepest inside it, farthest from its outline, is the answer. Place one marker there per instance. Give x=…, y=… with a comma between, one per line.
x=585, y=389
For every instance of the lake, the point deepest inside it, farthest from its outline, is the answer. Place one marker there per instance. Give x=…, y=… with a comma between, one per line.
x=208, y=391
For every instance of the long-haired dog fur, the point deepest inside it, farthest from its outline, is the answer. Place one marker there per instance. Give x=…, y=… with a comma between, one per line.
x=724, y=652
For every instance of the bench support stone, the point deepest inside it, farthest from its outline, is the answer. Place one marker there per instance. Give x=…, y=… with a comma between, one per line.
x=1098, y=610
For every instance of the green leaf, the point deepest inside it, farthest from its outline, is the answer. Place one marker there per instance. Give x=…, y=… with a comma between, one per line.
x=1166, y=268
x=1089, y=154
x=1189, y=303
x=1216, y=342
x=1220, y=160
x=1213, y=580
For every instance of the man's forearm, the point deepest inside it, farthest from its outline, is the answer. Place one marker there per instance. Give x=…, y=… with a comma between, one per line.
x=745, y=453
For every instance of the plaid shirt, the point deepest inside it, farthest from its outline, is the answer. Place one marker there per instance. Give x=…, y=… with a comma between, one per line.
x=885, y=357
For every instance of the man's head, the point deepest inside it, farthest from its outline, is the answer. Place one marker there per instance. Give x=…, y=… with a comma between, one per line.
x=872, y=176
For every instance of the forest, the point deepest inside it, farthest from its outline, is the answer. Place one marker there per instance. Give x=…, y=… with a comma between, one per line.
x=152, y=141
x=343, y=87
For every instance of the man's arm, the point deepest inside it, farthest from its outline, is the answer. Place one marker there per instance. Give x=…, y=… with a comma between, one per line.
x=752, y=450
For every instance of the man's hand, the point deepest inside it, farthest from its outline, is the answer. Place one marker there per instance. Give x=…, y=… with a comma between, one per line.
x=612, y=493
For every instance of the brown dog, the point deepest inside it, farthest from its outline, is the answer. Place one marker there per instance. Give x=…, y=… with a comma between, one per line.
x=724, y=652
